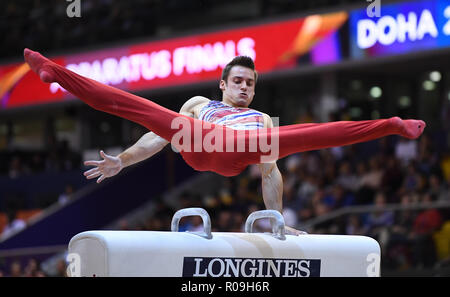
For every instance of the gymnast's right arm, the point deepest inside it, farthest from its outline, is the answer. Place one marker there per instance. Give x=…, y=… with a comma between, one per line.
x=147, y=146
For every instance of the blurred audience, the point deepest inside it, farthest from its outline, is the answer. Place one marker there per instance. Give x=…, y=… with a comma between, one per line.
x=405, y=236
x=398, y=171
x=317, y=183
x=45, y=25
x=21, y=163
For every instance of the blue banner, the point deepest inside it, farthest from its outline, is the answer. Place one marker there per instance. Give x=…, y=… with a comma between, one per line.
x=400, y=28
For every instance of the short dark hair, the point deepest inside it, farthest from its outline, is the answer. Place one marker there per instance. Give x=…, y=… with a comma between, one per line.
x=244, y=61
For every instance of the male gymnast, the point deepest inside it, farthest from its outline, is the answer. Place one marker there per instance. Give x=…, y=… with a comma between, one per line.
x=220, y=136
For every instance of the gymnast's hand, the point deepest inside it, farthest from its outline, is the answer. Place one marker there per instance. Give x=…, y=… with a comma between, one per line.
x=107, y=167
x=292, y=231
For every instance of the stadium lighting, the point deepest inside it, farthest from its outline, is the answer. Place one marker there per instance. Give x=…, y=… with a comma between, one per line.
x=428, y=85
x=404, y=101
x=435, y=76
x=376, y=92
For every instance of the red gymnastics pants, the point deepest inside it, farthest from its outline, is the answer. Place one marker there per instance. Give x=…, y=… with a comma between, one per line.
x=230, y=151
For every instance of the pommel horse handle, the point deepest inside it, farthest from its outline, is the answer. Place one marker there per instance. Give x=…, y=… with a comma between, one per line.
x=193, y=211
x=278, y=224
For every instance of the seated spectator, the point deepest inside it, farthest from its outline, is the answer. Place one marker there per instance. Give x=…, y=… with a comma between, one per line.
x=32, y=269
x=398, y=253
x=378, y=222
x=354, y=225
x=392, y=176
x=16, y=168
x=338, y=197
x=369, y=181
x=15, y=269
x=347, y=178
x=14, y=224
x=373, y=177
x=437, y=188
x=406, y=150
x=67, y=195
x=425, y=224
x=412, y=178
x=442, y=241
x=61, y=268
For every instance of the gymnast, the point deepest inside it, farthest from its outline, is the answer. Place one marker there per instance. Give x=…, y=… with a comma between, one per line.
x=225, y=136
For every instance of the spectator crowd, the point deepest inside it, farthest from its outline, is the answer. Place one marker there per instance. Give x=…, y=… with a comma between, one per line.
x=388, y=171
x=319, y=182
x=46, y=25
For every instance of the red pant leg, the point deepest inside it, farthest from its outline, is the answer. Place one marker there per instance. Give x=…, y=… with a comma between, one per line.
x=286, y=140
x=283, y=140
x=266, y=145
x=154, y=117
x=117, y=102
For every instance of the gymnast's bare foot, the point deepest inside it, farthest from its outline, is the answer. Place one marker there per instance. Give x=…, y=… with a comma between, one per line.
x=39, y=65
x=411, y=129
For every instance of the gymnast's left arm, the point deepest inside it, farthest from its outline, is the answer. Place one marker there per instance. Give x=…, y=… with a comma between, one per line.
x=272, y=184
x=272, y=190
x=271, y=180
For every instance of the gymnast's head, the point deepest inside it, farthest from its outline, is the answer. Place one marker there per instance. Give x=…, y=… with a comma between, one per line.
x=238, y=82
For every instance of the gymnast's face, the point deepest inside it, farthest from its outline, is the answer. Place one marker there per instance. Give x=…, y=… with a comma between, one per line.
x=239, y=89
